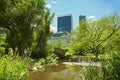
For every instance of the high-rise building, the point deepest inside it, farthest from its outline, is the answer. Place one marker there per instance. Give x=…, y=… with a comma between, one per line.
x=81, y=18
x=64, y=23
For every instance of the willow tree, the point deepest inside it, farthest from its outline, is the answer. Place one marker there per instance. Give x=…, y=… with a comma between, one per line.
x=18, y=16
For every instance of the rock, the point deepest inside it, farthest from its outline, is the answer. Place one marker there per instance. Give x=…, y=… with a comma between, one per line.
x=60, y=52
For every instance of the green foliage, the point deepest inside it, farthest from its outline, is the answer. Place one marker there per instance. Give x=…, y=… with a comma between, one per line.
x=27, y=23
x=59, y=44
x=17, y=17
x=2, y=40
x=91, y=73
x=50, y=47
x=13, y=68
x=111, y=68
x=52, y=58
x=96, y=37
x=43, y=31
x=36, y=55
x=42, y=61
x=2, y=51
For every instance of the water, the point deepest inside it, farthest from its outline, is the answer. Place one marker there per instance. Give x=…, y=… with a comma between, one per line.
x=56, y=72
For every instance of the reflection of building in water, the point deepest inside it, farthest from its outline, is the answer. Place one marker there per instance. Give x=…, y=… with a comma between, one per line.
x=64, y=37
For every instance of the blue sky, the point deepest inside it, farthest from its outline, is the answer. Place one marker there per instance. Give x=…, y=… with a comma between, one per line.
x=97, y=8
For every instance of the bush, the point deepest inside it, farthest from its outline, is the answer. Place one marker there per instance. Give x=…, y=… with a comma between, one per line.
x=111, y=67
x=91, y=73
x=109, y=70
x=52, y=58
x=13, y=68
x=42, y=61
x=50, y=47
x=36, y=55
x=59, y=44
x=2, y=51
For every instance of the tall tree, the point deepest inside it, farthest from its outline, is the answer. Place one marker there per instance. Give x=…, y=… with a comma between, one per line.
x=43, y=30
x=93, y=37
x=18, y=16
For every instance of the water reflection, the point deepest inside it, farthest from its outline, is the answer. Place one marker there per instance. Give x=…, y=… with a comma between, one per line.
x=56, y=72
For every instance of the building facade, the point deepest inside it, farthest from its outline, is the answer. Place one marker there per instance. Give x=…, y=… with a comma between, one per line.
x=81, y=18
x=64, y=23
x=64, y=37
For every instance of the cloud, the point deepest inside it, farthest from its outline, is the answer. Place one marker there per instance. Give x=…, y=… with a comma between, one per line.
x=48, y=5
x=53, y=1
x=92, y=18
x=53, y=29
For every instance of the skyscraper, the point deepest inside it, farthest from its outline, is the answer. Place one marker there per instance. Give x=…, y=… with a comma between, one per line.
x=82, y=17
x=64, y=23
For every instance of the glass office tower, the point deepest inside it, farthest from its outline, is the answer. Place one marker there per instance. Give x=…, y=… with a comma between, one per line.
x=64, y=23
x=82, y=17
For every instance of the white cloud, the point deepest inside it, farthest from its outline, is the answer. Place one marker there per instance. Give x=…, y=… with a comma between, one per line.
x=92, y=18
x=54, y=2
x=53, y=29
x=48, y=5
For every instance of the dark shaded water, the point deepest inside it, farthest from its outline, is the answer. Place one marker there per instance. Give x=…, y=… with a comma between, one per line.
x=56, y=72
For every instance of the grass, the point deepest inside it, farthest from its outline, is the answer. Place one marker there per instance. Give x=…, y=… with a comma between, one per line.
x=109, y=70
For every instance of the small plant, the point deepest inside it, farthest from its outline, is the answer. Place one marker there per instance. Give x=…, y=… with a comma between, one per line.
x=2, y=51
x=42, y=61
x=109, y=70
x=111, y=67
x=13, y=68
x=52, y=58
x=50, y=47
x=59, y=44
x=91, y=73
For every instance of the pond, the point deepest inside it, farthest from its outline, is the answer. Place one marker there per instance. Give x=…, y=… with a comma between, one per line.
x=56, y=72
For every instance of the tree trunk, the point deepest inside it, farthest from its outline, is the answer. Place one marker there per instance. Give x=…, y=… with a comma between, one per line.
x=96, y=56
x=22, y=47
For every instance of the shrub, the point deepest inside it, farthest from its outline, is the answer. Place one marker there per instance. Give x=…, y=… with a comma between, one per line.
x=52, y=58
x=36, y=55
x=42, y=61
x=91, y=73
x=2, y=51
x=13, y=68
x=109, y=70
x=111, y=67
x=59, y=44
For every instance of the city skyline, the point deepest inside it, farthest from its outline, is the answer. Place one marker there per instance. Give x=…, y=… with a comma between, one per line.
x=94, y=9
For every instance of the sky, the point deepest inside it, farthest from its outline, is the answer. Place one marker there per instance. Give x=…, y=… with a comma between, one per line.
x=89, y=8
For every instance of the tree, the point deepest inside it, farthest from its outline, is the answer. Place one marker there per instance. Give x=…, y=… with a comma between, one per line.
x=93, y=37
x=43, y=31
x=2, y=37
x=18, y=16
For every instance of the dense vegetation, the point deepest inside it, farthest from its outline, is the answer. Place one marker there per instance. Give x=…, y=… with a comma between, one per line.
x=26, y=24
x=109, y=69
x=25, y=29
x=96, y=36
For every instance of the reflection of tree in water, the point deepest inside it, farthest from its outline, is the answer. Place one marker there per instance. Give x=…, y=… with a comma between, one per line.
x=56, y=72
